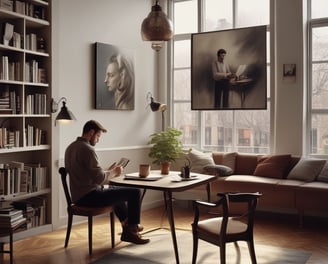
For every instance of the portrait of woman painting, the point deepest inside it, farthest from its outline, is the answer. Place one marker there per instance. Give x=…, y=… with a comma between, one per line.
x=115, y=78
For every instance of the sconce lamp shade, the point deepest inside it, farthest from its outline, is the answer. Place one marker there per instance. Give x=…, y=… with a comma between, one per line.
x=156, y=106
x=65, y=116
x=156, y=27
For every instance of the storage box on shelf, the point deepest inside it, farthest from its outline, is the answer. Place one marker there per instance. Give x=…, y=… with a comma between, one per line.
x=25, y=121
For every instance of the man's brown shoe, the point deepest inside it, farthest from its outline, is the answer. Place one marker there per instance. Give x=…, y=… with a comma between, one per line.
x=140, y=228
x=130, y=234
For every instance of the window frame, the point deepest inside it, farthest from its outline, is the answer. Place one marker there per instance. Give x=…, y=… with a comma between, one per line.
x=201, y=144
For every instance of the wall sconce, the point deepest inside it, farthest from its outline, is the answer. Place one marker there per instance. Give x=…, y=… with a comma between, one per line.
x=156, y=27
x=65, y=116
x=156, y=106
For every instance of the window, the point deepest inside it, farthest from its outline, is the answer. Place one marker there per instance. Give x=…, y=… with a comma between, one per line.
x=318, y=84
x=243, y=131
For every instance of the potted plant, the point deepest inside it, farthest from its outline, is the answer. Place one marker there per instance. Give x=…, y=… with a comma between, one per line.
x=166, y=147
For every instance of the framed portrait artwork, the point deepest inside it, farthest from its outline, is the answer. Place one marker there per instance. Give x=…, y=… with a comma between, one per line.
x=229, y=69
x=114, y=77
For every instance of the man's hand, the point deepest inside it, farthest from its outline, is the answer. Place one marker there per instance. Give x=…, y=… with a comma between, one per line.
x=113, y=172
x=117, y=170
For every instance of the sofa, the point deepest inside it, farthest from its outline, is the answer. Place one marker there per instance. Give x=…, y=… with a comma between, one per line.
x=288, y=183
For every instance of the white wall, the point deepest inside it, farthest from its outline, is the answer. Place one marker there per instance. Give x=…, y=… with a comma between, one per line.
x=77, y=25
x=288, y=37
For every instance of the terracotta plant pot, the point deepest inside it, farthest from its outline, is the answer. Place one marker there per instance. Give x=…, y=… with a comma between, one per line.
x=165, y=167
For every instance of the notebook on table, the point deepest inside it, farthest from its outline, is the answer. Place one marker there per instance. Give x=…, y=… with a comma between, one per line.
x=135, y=176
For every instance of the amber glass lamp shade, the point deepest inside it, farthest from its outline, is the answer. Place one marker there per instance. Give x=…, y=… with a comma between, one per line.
x=156, y=27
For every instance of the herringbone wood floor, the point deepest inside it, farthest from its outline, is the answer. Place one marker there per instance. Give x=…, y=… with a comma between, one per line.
x=270, y=229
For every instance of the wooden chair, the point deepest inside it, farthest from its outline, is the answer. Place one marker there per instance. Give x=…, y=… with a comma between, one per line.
x=89, y=212
x=226, y=228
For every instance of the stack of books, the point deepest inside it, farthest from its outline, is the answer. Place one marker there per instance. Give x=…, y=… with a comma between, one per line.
x=11, y=218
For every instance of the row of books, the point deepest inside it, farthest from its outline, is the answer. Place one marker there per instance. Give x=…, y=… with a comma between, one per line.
x=11, y=217
x=24, y=8
x=34, y=73
x=9, y=137
x=36, y=104
x=12, y=70
x=35, y=136
x=19, y=178
x=34, y=210
x=9, y=101
x=15, y=39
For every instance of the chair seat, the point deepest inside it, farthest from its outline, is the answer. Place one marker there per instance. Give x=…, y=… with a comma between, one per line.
x=213, y=225
x=86, y=211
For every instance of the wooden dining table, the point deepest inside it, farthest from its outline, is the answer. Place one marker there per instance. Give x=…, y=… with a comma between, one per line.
x=167, y=184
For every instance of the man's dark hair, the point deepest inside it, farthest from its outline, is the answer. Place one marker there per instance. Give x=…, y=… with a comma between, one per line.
x=93, y=124
x=221, y=51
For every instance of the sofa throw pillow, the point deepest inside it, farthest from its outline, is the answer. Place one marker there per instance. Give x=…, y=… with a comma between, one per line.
x=199, y=160
x=218, y=170
x=323, y=175
x=307, y=169
x=273, y=166
x=227, y=159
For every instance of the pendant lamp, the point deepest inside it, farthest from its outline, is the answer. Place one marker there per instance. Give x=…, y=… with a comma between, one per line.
x=156, y=27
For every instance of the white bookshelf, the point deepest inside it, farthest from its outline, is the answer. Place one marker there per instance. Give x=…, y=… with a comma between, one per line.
x=25, y=96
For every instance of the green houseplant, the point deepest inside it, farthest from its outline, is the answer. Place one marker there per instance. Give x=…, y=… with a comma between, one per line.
x=166, y=147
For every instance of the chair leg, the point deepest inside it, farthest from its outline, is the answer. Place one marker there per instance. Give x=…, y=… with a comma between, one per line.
x=195, y=248
x=238, y=252
x=90, y=234
x=251, y=249
x=69, y=227
x=223, y=253
x=112, y=228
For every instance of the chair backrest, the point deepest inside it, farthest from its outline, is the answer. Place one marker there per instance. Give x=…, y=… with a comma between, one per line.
x=248, y=199
x=63, y=174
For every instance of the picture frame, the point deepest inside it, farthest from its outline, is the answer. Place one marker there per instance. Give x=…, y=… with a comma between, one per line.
x=246, y=87
x=114, y=77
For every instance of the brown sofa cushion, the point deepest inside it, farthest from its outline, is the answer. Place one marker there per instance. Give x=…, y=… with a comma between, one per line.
x=245, y=164
x=273, y=166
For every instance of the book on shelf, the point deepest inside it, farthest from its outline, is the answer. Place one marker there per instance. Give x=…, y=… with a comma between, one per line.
x=8, y=33
x=17, y=40
x=34, y=209
x=11, y=217
x=9, y=137
x=28, y=212
x=8, y=210
x=35, y=136
x=7, y=5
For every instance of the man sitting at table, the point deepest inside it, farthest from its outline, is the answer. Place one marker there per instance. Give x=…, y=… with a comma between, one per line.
x=87, y=179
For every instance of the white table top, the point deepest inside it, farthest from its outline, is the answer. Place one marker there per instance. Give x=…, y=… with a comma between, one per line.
x=171, y=182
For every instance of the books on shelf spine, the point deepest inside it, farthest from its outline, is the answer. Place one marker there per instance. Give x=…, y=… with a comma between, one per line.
x=19, y=178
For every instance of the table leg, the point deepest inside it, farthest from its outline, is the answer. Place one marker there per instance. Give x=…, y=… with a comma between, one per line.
x=168, y=199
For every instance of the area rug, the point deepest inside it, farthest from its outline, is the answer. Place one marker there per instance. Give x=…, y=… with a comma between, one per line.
x=160, y=250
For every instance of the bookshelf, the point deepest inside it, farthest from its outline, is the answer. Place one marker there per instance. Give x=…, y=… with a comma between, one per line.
x=25, y=116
